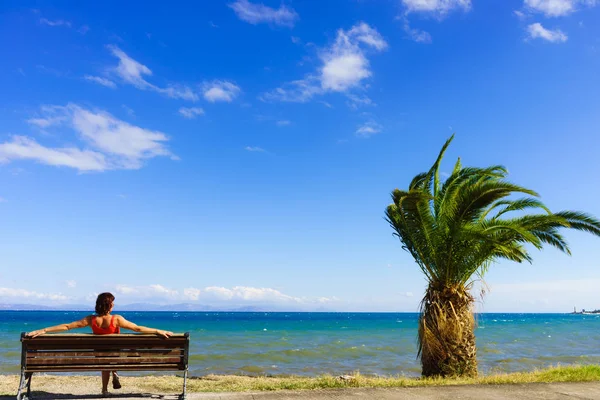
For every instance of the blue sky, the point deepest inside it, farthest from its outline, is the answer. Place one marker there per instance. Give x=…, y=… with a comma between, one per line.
x=242, y=153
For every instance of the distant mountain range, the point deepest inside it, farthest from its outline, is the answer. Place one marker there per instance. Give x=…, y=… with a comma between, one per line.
x=141, y=307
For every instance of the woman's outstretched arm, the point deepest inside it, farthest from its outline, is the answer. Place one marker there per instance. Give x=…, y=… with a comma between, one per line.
x=123, y=323
x=61, y=328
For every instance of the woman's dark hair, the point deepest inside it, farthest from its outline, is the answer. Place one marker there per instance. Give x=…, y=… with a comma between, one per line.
x=104, y=302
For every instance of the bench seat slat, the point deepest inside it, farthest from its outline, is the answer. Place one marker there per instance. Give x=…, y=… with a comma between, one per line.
x=102, y=360
x=111, y=367
x=106, y=353
x=127, y=346
x=112, y=340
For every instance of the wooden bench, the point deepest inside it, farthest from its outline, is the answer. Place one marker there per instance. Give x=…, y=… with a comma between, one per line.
x=87, y=352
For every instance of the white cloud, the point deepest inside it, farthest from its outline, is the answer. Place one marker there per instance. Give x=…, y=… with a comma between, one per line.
x=537, y=31
x=101, y=81
x=24, y=148
x=162, y=291
x=256, y=13
x=220, y=91
x=191, y=294
x=3, y=200
x=250, y=294
x=299, y=91
x=415, y=34
x=71, y=283
x=84, y=29
x=368, y=129
x=254, y=149
x=557, y=8
x=130, y=143
x=520, y=14
x=58, y=22
x=210, y=293
x=132, y=72
x=283, y=122
x=115, y=144
x=125, y=289
x=355, y=101
x=191, y=112
x=22, y=294
x=437, y=7
x=344, y=66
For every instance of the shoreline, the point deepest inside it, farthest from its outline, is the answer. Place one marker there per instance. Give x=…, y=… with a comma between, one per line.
x=78, y=384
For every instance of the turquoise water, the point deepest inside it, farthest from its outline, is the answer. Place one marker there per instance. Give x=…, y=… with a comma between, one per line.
x=337, y=343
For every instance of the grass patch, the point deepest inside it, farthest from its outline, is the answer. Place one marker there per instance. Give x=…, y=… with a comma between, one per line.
x=218, y=383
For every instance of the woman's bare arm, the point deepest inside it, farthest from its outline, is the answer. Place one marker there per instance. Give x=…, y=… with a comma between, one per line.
x=123, y=323
x=61, y=328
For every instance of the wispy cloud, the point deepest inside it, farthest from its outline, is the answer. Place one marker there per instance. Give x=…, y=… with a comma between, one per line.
x=113, y=143
x=24, y=294
x=438, y=9
x=520, y=14
x=557, y=8
x=537, y=31
x=220, y=91
x=283, y=122
x=355, y=101
x=218, y=295
x=133, y=72
x=57, y=22
x=257, y=13
x=415, y=34
x=49, y=116
x=71, y=283
x=128, y=110
x=368, y=129
x=254, y=149
x=345, y=65
x=100, y=81
x=191, y=113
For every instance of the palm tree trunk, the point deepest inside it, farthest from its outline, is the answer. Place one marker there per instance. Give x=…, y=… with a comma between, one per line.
x=446, y=332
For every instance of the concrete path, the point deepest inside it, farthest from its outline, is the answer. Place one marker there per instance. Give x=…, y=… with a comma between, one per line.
x=541, y=391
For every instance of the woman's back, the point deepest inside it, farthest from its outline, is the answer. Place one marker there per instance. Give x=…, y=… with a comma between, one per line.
x=104, y=324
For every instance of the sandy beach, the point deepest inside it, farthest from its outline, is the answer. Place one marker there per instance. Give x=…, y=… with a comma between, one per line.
x=47, y=387
x=582, y=382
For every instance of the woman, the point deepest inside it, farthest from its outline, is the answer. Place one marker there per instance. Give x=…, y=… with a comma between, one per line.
x=103, y=323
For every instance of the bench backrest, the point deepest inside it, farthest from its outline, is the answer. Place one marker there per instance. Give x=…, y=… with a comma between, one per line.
x=87, y=352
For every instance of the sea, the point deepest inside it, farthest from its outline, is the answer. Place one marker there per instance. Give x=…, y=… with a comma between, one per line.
x=309, y=344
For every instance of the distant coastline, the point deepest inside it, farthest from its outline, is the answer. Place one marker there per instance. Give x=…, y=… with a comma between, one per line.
x=188, y=307
x=585, y=312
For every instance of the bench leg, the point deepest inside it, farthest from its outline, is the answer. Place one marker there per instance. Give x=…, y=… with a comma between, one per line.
x=25, y=383
x=29, y=385
x=185, y=373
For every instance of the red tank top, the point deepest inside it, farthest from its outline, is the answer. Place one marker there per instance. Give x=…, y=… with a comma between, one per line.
x=98, y=330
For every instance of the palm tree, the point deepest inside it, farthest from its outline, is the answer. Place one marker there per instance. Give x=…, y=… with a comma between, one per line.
x=455, y=230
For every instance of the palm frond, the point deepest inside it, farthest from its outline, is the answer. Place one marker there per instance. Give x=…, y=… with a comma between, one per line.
x=460, y=227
